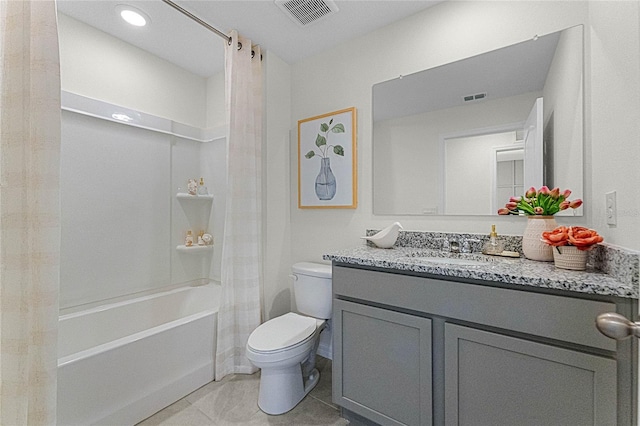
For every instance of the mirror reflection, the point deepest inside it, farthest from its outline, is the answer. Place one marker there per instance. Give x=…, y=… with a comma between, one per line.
x=460, y=139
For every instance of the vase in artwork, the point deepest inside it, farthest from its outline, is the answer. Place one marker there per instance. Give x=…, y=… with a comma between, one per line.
x=532, y=246
x=326, y=181
x=569, y=257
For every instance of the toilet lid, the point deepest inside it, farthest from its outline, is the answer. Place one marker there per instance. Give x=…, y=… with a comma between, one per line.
x=281, y=332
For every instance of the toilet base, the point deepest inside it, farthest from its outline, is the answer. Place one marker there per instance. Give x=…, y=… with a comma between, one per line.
x=282, y=389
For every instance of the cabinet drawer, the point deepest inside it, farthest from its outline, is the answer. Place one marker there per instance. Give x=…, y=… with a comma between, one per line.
x=556, y=317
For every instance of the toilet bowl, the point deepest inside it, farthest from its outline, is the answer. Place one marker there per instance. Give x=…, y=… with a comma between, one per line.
x=284, y=348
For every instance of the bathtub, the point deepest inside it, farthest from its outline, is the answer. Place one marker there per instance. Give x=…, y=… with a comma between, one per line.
x=121, y=362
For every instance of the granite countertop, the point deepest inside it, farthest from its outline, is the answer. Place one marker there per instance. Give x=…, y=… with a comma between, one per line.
x=517, y=271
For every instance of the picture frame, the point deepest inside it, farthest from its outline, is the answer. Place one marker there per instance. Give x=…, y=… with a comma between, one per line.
x=327, y=161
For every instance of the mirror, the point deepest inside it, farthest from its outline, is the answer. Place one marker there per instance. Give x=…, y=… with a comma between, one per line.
x=461, y=138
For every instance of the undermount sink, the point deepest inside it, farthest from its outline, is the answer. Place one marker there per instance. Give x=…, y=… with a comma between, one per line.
x=450, y=260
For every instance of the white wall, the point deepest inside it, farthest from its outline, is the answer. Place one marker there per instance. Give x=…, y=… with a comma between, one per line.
x=343, y=77
x=100, y=66
x=614, y=106
x=277, y=245
x=121, y=218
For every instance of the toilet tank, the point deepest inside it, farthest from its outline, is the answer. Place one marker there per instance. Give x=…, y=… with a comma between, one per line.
x=312, y=289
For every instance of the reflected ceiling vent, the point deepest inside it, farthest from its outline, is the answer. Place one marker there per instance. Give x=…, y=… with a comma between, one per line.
x=476, y=97
x=306, y=12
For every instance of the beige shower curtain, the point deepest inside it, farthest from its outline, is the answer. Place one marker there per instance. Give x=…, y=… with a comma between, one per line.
x=241, y=269
x=29, y=211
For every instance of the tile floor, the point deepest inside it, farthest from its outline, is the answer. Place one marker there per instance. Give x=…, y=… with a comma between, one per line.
x=234, y=401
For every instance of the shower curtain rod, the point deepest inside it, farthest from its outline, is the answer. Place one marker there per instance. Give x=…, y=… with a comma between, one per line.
x=200, y=21
x=207, y=26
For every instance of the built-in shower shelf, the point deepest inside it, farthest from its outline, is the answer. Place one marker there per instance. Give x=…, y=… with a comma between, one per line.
x=186, y=196
x=194, y=249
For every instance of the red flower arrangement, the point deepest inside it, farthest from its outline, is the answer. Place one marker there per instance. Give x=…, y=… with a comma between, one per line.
x=580, y=237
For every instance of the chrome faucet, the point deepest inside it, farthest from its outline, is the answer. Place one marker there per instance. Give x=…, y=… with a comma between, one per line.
x=467, y=246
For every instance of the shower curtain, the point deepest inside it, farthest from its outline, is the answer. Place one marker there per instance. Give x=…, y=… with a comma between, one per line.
x=241, y=271
x=29, y=211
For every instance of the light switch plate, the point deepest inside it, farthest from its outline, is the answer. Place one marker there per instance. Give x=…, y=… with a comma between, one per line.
x=611, y=208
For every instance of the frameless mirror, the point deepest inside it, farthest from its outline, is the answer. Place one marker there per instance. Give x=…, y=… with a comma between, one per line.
x=461, y=138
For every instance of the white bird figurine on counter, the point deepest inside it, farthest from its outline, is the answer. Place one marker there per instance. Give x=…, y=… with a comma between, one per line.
x=387, y=237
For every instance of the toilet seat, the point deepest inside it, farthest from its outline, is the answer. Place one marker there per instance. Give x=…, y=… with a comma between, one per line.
x=282, y=333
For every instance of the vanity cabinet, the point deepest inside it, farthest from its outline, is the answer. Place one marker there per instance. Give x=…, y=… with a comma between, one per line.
x=386, y=364
x=493, y=379
x=416, y=349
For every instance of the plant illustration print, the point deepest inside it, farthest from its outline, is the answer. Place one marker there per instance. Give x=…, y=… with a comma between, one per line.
x=326, y=181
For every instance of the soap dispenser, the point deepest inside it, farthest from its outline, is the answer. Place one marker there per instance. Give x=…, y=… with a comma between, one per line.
x=493, y=246
x=202, y=190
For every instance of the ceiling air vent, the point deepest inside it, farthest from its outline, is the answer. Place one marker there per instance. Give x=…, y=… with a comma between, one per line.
x=475, y=97
x=305, y=12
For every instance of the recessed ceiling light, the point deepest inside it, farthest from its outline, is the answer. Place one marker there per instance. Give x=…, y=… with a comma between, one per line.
x=133, y=15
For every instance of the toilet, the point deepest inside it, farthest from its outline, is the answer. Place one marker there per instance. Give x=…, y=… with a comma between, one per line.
x=285, y=347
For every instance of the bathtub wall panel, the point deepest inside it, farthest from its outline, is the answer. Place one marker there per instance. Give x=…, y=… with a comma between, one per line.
x=115, y=187
x=188, y=214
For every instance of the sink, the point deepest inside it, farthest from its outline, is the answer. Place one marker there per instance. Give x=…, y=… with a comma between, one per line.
x=450, y=260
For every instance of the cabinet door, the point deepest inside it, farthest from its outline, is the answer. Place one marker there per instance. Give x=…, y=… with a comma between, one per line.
x=382, y=364
x=492, y=379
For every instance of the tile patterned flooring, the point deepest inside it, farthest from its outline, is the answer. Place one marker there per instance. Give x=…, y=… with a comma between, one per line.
x=234, y=401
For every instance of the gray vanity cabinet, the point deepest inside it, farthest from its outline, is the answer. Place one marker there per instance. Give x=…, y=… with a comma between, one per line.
x=414, y=349
x=386, y=364
x=492, y=379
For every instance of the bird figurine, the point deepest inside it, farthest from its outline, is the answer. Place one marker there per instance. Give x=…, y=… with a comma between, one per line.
x=387, y=237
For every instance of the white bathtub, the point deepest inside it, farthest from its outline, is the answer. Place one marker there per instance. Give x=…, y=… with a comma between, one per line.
x=119, y=363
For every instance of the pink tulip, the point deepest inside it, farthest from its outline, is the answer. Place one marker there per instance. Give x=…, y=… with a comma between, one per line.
x=531, y=192
x=566, y=193
x=564, y=205
x=515, y=199
x=555, y=193
x=544, y=190
x=538, y=210
x=511, y=205
x=575, y=203
x=503, y=211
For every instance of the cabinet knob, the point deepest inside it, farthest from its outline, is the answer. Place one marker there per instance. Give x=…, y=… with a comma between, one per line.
x=616, y=326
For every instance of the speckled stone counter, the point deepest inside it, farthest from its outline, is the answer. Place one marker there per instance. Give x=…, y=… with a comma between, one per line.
x=518, y=271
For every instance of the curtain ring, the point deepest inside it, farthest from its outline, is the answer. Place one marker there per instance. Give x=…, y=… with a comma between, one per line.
x=253, y=54
x=239, y=45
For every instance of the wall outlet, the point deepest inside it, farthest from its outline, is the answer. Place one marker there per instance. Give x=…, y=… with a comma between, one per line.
x=611, y=208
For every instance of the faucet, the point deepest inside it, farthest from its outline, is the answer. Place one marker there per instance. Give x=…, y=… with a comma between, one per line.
x=466, y=245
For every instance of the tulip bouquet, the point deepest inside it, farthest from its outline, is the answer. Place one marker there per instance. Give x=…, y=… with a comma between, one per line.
x=580, y=237
x=543, y=201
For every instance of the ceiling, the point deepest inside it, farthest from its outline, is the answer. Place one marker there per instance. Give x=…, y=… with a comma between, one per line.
x=178, y=39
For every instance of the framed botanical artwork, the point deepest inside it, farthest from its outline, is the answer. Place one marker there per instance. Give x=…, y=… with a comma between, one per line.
x=327, y=175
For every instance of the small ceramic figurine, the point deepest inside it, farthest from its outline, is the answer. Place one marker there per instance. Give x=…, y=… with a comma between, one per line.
x=200, y=240
x=387, y=237
x=207, y=238
x=192, y=187
x=188, y=241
